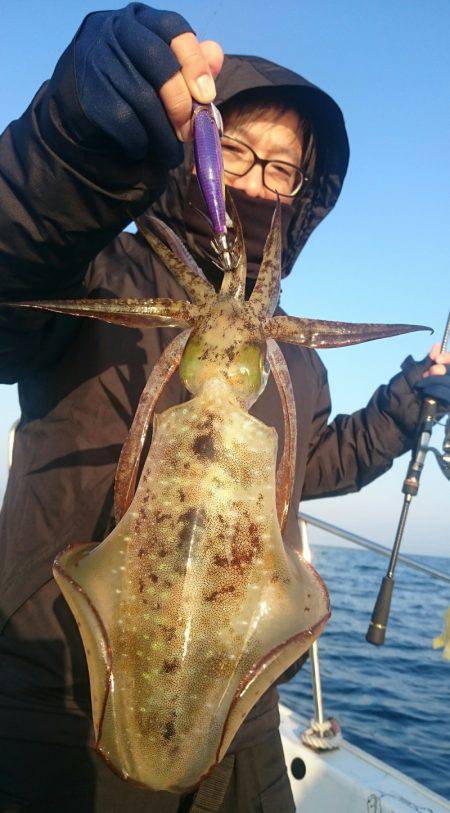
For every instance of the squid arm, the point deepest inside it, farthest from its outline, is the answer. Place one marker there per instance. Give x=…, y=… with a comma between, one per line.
x=286, y=468
x=174, y=242
x=128, y=466
x=266, y=292
x=189, y=276
x=137, y=313
x=324, y=334
x=233, y=283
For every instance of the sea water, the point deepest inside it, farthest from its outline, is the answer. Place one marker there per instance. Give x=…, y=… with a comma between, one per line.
x=394, y=700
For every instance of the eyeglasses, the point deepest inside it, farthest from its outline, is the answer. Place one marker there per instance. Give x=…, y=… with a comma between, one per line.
x=279, y=177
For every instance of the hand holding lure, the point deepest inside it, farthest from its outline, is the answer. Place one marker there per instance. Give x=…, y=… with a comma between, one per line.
x=193, y=605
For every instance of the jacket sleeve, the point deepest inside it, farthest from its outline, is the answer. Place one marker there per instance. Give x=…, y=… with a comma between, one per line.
x=62, y=201
x=353, y=450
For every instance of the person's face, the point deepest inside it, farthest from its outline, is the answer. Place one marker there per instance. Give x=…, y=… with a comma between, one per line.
x=272, y=136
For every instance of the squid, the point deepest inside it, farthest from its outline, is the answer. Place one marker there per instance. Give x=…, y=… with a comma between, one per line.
x=194, y=605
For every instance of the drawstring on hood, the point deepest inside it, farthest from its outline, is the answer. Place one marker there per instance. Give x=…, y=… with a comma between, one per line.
x=240, y=74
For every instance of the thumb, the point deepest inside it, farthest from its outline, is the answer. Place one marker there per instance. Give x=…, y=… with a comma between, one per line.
x=213, y=54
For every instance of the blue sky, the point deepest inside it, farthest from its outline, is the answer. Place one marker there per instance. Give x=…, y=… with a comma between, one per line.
x=382, y=255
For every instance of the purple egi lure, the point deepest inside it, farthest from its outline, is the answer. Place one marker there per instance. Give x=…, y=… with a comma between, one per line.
x=207, y=124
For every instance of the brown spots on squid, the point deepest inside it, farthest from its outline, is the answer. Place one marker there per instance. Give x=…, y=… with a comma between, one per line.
x=248, y=325
x=216, y=665
x=203, y=446
x=222, y=591
x=169, y=731
x=244, y=547
x=181, y=495
x=230, y=352
x=160, y=516
x=179, y=569
x=209, y=420
x=168, y=633
x=163, y=551
x=171, y=666
x=153, y=577
x=253, y=536
x=192, y=518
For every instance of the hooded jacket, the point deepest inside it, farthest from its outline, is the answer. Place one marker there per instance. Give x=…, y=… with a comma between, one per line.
x=64, y=206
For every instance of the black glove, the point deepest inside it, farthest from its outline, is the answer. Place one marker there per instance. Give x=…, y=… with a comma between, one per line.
x=436, y=386
x=106, y=83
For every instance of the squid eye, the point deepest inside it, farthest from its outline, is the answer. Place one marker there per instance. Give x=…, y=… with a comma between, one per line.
x=246, y=370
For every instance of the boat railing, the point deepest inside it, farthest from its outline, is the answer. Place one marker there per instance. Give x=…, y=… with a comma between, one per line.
x=324, y=733
x=375, y=547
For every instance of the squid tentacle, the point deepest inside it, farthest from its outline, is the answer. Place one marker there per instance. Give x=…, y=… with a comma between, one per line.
x=127, y=468
x=286, y=468
x=324, y=334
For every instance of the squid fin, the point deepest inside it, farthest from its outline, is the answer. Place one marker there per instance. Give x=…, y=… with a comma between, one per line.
x=92, y=629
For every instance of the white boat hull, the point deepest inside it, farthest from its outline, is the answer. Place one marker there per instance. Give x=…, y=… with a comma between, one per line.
x=349, y=780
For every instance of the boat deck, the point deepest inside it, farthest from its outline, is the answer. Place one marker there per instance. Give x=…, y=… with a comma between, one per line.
x=349, y=780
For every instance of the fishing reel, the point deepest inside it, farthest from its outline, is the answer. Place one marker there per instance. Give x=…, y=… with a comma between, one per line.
x=443, y=458
x=432, y=411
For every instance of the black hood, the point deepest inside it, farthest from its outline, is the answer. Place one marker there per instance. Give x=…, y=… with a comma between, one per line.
x=243, y=73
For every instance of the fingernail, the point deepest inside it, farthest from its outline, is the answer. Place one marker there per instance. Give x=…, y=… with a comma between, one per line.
x=205, y=88
x=184, y=132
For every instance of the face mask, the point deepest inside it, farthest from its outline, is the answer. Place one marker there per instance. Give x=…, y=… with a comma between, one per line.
x=255, y=215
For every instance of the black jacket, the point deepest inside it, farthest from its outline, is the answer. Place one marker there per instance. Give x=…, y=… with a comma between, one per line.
x=64, y=205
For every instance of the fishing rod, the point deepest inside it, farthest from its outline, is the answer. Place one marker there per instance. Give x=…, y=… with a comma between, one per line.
x=377, y=628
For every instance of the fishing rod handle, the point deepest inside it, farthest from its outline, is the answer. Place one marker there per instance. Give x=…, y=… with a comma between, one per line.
x=376, y=632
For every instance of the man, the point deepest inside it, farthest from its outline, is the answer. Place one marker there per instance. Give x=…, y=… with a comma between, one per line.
x=96, y=144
